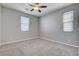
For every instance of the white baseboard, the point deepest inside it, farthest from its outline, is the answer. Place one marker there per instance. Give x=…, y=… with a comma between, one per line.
x=17, y=41
x=48, y=39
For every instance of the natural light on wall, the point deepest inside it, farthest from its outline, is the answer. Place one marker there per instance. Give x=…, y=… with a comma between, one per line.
x=25, y=23
x=68, y=21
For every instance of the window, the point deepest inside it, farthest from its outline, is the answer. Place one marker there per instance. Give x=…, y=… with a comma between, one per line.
x=25, y=23
x=68, y=21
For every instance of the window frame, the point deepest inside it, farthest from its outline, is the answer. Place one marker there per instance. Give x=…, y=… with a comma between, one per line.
x=25, y=23
x=72, y=21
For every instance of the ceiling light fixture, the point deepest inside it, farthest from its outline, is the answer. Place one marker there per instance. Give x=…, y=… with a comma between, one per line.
x=37, y=7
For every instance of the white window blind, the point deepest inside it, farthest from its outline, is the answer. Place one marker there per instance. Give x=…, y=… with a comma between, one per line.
x=68, y=21
x=25, y=23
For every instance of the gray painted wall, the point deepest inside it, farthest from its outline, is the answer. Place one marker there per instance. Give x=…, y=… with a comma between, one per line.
x=51, y=26
x=77, y=25
x=11, y=30
x=0, y=24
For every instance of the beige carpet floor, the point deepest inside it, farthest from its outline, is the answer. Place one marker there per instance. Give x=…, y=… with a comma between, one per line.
x=37, y=47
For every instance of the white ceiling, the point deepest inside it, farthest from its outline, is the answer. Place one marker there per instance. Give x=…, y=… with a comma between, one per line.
x=21, y=7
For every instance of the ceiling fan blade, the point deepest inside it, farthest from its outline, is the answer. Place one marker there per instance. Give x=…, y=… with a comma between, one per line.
x=37, y=3
x=32, y=10
x=39, y=10
x=42, y=6
x=31, y=5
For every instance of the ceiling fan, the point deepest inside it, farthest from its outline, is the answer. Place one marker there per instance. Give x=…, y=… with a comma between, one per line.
x=36, y=6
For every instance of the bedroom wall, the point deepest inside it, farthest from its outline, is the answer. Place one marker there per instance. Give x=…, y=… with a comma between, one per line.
x=0, y=24
x=11, y=29
x=51, y=26
x=77, y=24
